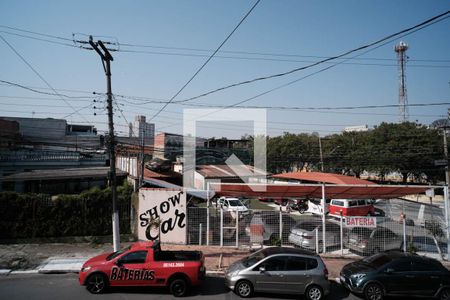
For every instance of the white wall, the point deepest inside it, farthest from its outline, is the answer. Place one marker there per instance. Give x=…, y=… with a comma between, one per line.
x=166, y=207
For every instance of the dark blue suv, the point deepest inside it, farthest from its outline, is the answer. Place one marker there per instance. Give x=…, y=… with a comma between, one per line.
x=396, y=273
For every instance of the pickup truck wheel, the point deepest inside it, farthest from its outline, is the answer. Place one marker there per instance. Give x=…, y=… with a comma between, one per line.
x=244, y=288
x=445, y=294
x=96, y=283
x=178, y=287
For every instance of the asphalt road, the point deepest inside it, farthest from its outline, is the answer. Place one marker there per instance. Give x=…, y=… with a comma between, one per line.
x=65, y=286
x=413, y=210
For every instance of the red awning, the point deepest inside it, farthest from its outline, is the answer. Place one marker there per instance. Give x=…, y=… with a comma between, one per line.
x=322, y=177
x=315, y=190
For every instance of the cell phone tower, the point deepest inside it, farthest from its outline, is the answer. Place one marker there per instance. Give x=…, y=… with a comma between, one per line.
x=402, y=96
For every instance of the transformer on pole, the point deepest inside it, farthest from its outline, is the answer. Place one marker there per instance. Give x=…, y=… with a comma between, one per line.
x=402, y=96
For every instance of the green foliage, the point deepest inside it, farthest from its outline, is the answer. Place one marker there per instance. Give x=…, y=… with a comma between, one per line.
x=38, y=215
x=276, y=242
x=434, y=227
x=407, y=148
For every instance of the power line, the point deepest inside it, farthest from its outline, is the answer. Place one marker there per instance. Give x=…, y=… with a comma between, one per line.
x=34, y=90
x=419, y=26
x=37, y=73
x=133, y=45
x=207, y=61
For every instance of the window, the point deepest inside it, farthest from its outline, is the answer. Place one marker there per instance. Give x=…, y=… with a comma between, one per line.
x=296, y=264
x=401, y=266
x=137, y=257
x=338, y=203
x=352, y=203
x=275, y=263
x=311, y=263
x=378, y=234
x=361, y=202
x=423, y=266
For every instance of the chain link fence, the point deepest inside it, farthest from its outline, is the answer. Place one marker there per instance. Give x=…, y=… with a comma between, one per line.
x=252, y=228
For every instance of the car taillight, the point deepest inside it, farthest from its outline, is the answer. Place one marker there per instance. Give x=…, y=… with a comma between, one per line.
x=325, y=273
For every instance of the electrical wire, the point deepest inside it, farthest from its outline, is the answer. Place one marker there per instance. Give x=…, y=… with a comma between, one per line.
x=37, y=73
x=207, y=61
x=417, y=27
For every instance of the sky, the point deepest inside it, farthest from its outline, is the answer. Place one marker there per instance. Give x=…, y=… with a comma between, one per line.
x=162, y=44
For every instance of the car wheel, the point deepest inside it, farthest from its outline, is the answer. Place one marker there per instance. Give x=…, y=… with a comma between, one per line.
x=445, y=294
x=302, y=210
x=314, y=292
x=96, y=283
x=244, y=289
x=373, y=291
x=178, y=287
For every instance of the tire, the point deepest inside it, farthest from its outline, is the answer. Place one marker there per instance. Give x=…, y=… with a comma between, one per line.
x=444, y=294
x=178, y=287
x=314, y=292
x=373, y=291
x=302, y=210
x=96, y=283
x=244, y=288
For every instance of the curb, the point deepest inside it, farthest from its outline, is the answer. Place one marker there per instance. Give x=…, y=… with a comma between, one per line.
x=5, y=272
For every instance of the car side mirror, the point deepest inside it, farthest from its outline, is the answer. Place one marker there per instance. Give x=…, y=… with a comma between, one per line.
x=262, y=269
x=389, y=271
x=119, y=263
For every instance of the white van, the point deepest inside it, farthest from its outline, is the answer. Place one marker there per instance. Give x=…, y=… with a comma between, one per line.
x=315, y=206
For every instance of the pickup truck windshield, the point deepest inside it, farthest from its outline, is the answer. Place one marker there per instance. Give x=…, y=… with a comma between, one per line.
x=117, y=253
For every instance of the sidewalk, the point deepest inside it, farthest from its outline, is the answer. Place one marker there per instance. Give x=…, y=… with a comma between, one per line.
x=63, y=258
x=68, y=258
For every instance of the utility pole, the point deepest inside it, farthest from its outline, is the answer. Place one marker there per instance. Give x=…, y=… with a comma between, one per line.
x=321, y=154
x=106, y=62
x=446, y=196
x=141, y=179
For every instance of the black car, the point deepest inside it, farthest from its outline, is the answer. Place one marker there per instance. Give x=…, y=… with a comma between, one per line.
x=395, y=273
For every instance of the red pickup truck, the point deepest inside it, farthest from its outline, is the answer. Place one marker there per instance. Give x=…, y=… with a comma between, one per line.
x=144, y=264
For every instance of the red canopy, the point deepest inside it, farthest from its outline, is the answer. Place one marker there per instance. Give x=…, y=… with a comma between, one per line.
x=371, y=191
x=322, y=177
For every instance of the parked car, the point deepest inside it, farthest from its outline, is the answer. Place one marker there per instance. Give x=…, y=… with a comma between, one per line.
x=304, y=234
x=315, y=206
x=233, y=205
x=427, y=244
x=395, y=273
x=279, y=270
x=144, y=264
x=264, y=227
x=370, y=241
x=301, y=205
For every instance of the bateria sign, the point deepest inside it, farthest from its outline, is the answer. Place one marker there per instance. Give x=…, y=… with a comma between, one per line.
x=368, y=222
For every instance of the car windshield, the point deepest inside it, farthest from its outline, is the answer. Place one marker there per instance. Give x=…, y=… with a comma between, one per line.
x=235, y=203
x=117, y=253
x=377, y=260
x=254, y=258
x=310, y=226
x=362, y=231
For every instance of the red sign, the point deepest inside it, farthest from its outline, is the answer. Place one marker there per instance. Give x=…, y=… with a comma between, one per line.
x=368, y=222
